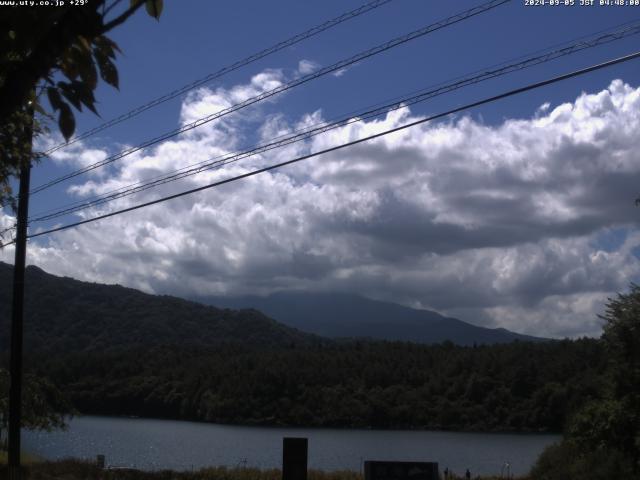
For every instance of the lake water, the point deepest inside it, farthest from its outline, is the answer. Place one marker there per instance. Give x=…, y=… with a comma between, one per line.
x=159, y=444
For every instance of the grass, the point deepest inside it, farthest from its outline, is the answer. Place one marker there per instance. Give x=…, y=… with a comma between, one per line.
x=25, y=458
x=72, y=469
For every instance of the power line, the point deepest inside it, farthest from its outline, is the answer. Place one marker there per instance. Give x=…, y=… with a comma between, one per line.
x=7, y=229
x=282, y=88
x=540, y=56
x=223, y=71
x=421, y=96
x=250, y=101
x=349, y=144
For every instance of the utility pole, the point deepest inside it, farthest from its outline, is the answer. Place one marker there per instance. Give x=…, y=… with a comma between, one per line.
x=17, y=312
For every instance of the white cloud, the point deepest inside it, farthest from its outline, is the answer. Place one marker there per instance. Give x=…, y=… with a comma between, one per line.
x=499, y=225
x=340, y=72
x=305, y=67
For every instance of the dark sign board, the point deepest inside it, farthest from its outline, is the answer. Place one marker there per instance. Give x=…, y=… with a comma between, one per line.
x=294, y=458
x=400, y=470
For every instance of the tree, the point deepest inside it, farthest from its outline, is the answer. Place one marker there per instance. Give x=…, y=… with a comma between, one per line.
x=603, y=437
x=44, y=406
x=566, y=460
x=58, y=52
x=622, y=340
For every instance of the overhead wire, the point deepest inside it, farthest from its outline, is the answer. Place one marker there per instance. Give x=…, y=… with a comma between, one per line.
x=484, y=101
x=611, y=35
x=367, y=7
x=282, y=88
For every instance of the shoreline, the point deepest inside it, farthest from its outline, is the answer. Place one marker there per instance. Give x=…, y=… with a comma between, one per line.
x=321, y=427
x=150, y=444
x=76, y=469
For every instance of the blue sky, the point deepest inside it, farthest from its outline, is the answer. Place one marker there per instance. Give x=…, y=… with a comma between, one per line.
x=195, y=38
x=548, y=275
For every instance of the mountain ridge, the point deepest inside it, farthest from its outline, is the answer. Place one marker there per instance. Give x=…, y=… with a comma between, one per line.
x=338, y=315
x=63, y=314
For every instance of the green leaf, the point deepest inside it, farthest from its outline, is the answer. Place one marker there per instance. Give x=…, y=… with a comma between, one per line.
x=84, y=44
x=54, y=98
x=66, y=121
x=70, y=94
x=154, y=8
x=108, y=71
x=88, y=73
x=69, y=66
x=84, y=93
x=105, y=46
x=81, y=58
x=113, y=45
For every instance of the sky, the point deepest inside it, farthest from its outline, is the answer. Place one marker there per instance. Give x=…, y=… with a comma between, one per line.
x=519, y=214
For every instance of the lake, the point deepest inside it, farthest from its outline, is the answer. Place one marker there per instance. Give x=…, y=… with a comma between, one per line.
x=165, y=444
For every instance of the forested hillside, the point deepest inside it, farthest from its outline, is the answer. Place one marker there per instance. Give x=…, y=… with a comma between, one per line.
x=66, y=315
x=515, y=387
x=115, y=350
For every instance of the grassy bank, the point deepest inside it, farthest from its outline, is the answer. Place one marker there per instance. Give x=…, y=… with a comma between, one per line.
x=83, y=470
x=25, y=458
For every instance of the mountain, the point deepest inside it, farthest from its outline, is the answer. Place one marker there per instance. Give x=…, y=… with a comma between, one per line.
x=63, y=315
x=338, y=315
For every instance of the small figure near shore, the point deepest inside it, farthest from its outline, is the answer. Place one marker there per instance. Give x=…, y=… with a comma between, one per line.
x=446, y=473
x=467, y=475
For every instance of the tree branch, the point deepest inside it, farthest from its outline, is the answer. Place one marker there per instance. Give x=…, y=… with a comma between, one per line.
x=122, y=18
x=110, y=7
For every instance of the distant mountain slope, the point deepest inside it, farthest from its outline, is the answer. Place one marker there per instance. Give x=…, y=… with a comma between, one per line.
x=344, y=315
x=66, y=315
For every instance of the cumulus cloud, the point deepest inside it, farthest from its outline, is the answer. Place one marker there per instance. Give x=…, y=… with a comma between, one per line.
x=500, y=225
